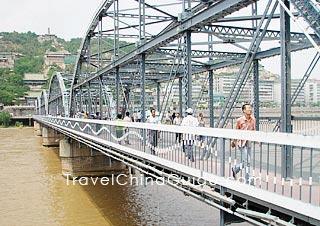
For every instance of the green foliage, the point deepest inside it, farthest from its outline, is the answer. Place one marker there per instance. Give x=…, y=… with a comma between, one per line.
x=70, y=68
x=11, y=86
x=73, y=45
x=24, y=43
x=31, y=59
x=6, y=97
x=52, y=49
x=29, y=64
x=18, y=124
x=51, y=70
x=5, y=118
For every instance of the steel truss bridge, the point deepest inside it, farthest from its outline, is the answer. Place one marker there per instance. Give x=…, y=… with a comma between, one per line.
x=162, y=44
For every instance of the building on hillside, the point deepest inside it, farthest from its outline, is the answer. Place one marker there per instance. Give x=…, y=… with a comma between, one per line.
x=56, y=58
x=7, y=59
x=34, y=81
x=46, y=37
x=31, y=97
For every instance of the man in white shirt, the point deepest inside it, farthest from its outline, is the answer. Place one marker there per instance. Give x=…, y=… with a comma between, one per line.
x=188, y=139
x=138, y=115
x=153, y=134
x=126, y=129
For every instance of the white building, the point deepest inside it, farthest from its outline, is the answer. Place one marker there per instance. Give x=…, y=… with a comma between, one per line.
x=312, y=91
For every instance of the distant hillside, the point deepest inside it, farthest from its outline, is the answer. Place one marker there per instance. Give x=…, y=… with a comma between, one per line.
x=233, y=70
x=30, y=52
x=29, y=49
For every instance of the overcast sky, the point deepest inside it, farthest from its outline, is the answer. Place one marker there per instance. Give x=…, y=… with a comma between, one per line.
x=65, y=18
x=70, y=18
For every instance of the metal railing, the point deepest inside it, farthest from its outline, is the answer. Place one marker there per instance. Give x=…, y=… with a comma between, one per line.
x=300, y=125
x=188, y=146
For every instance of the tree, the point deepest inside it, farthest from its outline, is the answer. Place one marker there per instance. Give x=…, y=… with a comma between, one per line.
x=5, y=118
x=29, y=64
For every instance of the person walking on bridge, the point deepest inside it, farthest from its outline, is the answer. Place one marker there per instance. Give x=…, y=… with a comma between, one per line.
x=126, y=129
x=119, y=129
x=246, y=122
x=188, y=139
x=153, y=134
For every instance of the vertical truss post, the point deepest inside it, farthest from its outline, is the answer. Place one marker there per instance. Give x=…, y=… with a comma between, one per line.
x=142, y=27
x=143, y=86
x=117, y=89
x=187, y=69
x=100, y=43
x=254, y=13
x=180, y=96
x=89, y=100
x=100, y=97
x=158, y=96
x=56, y=106
x=59, y=106
x=184, y=4
x=211, y=93
x=116, y=29
x=256, y=92
x=211, y=88
x=88, y=59
x=286, y=157
x=143, y=96
x=126, y=95
x=80, y=100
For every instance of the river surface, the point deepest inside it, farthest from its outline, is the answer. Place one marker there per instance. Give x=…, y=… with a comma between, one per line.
x=33, y=192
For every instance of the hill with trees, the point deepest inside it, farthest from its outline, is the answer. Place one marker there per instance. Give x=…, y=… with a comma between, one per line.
x=31, y=60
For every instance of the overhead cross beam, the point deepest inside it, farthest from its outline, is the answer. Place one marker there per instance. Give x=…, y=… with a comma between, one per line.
x=209, y=15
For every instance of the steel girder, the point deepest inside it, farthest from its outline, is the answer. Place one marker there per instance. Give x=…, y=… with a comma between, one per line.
x=234, y=34
x=204, y=54
x=310, y=11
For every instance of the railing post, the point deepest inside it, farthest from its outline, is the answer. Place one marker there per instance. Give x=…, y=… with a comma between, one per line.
x=222, y=174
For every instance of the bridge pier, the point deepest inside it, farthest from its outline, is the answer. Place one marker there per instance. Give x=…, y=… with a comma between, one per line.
x=37, y=128
x=50, y=137
x=79, y=160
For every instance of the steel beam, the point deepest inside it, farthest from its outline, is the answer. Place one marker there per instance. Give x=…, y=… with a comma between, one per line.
x=286, y=127
x=209, y=15
x=211, y=98
x=256, y=92
x=187, y=80
x=239, y=33
x=143, y=86
x=117, y=89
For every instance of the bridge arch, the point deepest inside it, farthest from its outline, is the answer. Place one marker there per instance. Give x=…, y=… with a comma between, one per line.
x=43, y=103
x=91, y=97
x=58, y=94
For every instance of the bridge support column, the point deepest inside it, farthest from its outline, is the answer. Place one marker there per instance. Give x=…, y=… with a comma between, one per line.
x=37, y=128
x=79, y=160
x=50, y=137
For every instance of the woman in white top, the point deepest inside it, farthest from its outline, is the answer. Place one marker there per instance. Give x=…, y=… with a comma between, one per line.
x=177, y=121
